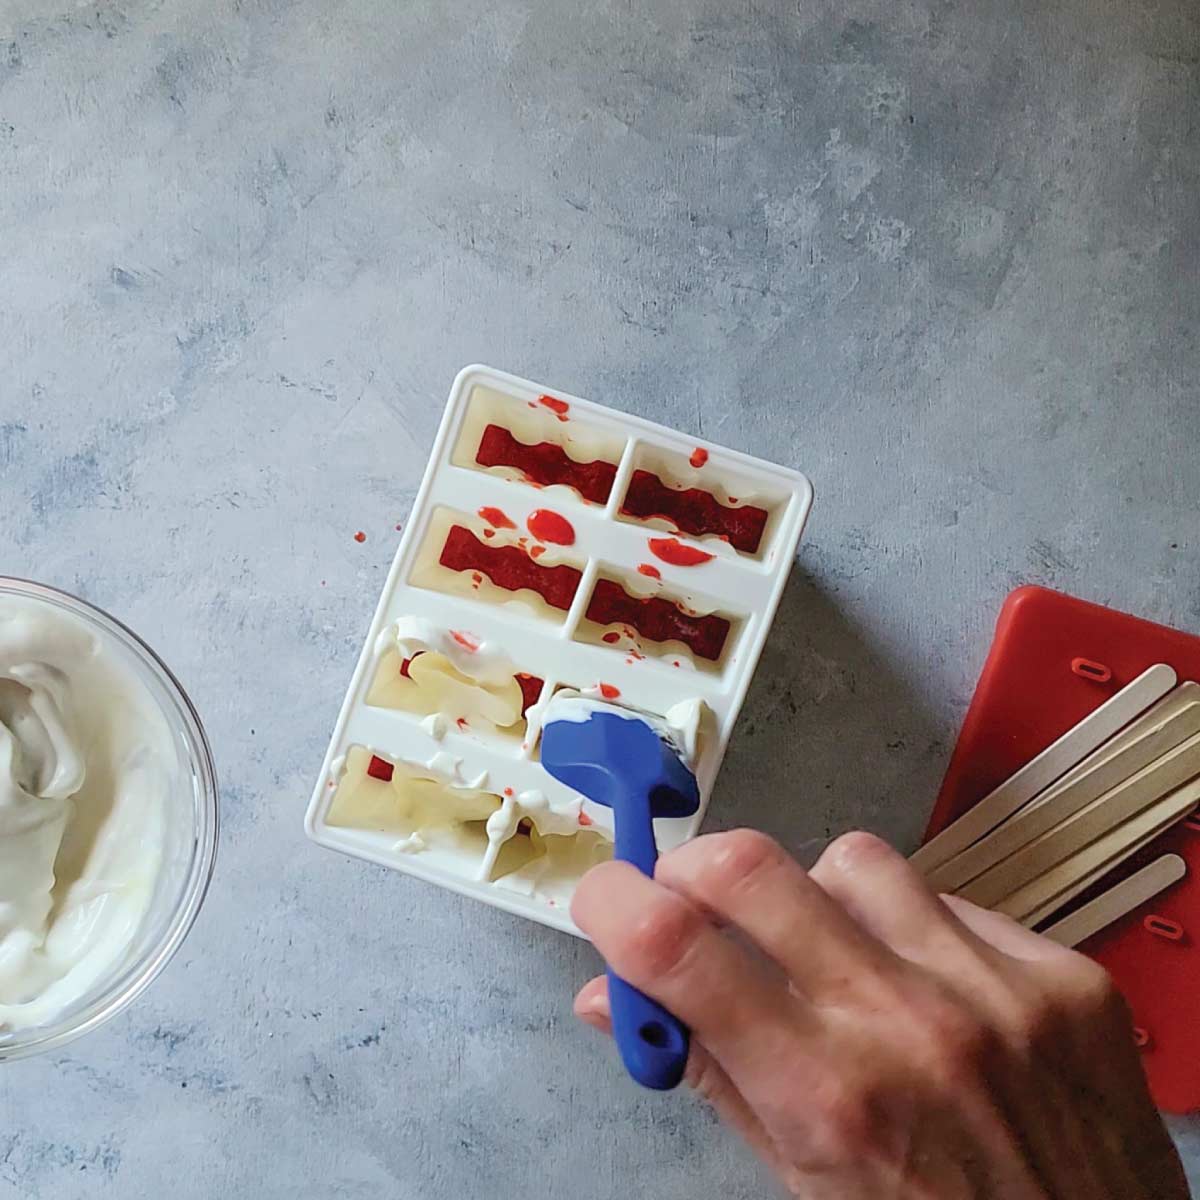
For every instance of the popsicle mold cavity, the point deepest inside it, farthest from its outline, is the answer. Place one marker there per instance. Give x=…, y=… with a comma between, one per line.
x=556, y=547
x=539, y=442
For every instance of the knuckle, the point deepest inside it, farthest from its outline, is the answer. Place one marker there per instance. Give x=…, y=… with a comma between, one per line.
x=852, y=851
x=1087, y=991
x=843, y=1120
x=738, y=856
x=659, y=942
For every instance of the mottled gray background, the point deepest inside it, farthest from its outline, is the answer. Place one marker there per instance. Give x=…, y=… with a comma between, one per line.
x=942, y=256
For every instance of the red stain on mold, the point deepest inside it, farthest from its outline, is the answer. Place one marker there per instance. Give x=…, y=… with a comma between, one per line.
x=489, y=533
x=611, y=638
x=548, y=526
x=465, y=640
x=531, y=689
x=677, y=554
x=609, y=692
x=380, y=768
x=496, y=517
x=699, y=457
x=584, y=819
x=649, y=570
x=558, y=407
x=360, y=537
x=462, y=723
x=537, y=552
x=508, y=791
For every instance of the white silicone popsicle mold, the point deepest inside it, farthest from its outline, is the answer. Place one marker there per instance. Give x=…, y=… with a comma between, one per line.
x=484, y=764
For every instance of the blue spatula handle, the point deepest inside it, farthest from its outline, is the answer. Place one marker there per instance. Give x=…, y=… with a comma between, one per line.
x=653, y=1043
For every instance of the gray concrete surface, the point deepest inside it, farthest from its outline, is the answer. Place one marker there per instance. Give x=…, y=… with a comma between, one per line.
x=941, y=256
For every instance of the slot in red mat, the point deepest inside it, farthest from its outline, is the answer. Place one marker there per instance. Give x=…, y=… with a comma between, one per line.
x=1040, y=679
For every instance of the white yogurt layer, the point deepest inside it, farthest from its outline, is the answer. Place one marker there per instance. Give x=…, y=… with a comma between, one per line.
x=85, y=760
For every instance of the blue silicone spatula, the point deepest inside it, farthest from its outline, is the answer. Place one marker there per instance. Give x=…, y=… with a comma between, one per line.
x=615, y=757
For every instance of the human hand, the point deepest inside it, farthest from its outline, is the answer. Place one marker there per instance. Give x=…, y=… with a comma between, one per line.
x=873, y=1040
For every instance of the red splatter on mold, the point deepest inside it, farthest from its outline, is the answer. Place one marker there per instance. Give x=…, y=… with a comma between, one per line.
x=399, y=527
x=611, y=637
x=584, y=819
x=462, y=723
x=537, y=552
x=508, y=792
x=677, y=554
x=531, y=689
x=467, y=641
x=380, y=768
x=360, y=537
x=545, y=464
x=699, y=457
x=556, y=406
x=405, y=663
x=509, y=567
x=548, y=526
x=496, y=517
x=658, y=619
x=609, y=692
x=694, y=511
x=649, y=570
x=489, y=533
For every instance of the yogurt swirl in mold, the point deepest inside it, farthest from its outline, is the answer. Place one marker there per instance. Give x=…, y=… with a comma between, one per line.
x=85, y=760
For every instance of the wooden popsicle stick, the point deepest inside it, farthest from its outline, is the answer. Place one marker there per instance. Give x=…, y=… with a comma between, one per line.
x=1041, y=816
x=1051, y=764
x=1118, y=900
x=1114, y=847
x=1067, y=837
x=1169, y=706
x=1044, y=911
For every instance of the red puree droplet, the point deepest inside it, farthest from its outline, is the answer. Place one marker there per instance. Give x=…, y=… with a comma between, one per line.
x=609, y=692
x=496, y=517
x=509, y=567
x=360, y=536
x=489, y=533
x=531, y=689
x=461, y=722
x=649, y=570
x=658, y=619
x=553, y=404
x=694, y=511
x=537, y=552
x=380, y=768
x=508, y=791
x=699, y=457
x=545, y=464
x=465, y=640
x=584, y=819
x=399, y=526
x=548, y=526
x=611, y=637
x=677, y=554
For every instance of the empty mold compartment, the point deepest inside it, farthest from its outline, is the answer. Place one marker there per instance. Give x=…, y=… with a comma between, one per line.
x=644, y=619
x=704, y=497
x=539, y=442
x=467, y=555
x=417, y=673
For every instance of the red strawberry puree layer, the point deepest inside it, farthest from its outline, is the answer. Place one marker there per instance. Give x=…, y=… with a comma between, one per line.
x=509, y=567
x=658, y=620
x=545, y=463
x=695, y=511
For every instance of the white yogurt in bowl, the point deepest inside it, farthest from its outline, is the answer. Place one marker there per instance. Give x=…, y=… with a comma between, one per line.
x=108, y=817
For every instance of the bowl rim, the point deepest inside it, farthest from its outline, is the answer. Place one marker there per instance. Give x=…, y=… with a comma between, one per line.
x=120, y=992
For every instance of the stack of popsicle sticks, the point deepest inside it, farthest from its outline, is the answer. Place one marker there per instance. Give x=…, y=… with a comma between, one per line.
x=1089, y=801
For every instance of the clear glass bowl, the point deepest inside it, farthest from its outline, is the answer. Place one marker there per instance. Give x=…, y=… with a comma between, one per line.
x=191, y=835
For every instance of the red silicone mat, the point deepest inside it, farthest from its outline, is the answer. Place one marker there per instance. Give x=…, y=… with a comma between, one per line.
x=1045, y=673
